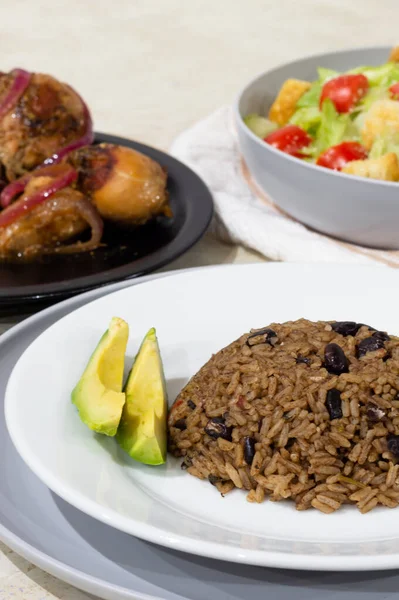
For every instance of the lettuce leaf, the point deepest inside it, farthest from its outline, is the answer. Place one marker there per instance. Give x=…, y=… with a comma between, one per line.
x=260, y=126
x=383, y=145
x=329, y=128
x=373, y=95
x=382, y=76
x=310, y=98
x=308, y=118
x=325, y=74
x=380, y=79
x=332, y=126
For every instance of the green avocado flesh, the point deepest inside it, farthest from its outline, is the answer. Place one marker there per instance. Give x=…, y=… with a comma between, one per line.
x=142, y=430
x=98, y=395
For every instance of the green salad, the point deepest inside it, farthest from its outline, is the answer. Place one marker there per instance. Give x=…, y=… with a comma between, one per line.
x=343, y=121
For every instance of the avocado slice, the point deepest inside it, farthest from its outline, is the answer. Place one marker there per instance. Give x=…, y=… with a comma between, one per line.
x=142, y=430
x=98, y=395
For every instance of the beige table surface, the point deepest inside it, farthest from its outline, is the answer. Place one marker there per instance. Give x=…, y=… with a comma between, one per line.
x=150, y=68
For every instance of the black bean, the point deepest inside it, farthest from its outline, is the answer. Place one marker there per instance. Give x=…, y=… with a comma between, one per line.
x=262, y=336
x=191, y=404
x=302, y=360
x=335, y=360
x=187, y=462
x=346, y=327
x=213, y=479
x=249, y=450
x=381, y=335
x=217, y=428
x=181, y=424
x=374, y=413
x=393, y=444
x=369, y=344
x=334, y=404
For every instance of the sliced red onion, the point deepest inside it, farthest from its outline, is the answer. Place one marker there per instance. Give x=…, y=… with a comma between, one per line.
x=18, y=87
x=13, y=189
x=17, y=187
x=25, y=204
x=90, y=214
x=85, y=140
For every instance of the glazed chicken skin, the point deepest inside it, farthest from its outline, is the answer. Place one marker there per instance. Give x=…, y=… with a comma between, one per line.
x=124, y=185
x=47, y=116
x=45, y=228
x=53, y=204
x=59, y=184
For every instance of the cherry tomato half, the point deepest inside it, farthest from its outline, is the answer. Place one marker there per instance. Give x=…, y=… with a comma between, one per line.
x=394, y=91
x=344, y=91
x=290, y=139
x=338, y=156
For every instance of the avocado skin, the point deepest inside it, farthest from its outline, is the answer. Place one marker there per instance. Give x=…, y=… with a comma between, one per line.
x=98, y=395
x=142, y=430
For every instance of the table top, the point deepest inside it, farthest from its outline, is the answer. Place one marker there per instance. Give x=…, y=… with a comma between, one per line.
x=149, y=69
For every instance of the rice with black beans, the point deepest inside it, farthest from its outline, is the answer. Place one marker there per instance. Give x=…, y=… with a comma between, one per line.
x=301, y=410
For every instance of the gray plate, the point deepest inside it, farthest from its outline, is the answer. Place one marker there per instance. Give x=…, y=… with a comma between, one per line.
x=123, y=255
x=115, y=566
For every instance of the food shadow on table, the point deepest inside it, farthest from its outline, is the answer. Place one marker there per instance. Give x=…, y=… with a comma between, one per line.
x=219, y=579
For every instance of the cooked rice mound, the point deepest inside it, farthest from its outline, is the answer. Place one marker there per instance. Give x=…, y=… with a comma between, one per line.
x=301, y=410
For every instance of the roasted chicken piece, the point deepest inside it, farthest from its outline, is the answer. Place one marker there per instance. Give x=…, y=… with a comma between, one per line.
x=52, y=204
x=124, y=185
x=59, y=185
x=39, y=117
x=47, y=222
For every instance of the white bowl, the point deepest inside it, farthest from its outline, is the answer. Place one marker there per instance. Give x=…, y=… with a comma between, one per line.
x=355, y=209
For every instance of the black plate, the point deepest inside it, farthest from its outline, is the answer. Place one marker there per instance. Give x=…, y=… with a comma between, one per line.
x=126, y=255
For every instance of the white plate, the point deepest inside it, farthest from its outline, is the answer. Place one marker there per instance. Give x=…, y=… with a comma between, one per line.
x=195, y=314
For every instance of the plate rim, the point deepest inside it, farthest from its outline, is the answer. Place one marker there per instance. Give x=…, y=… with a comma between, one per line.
x=60, y=570
x=71, y=575
x=199, y=215
x=213, y=550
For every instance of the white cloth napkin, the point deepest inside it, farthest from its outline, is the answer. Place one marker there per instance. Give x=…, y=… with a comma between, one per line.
x=244, y=215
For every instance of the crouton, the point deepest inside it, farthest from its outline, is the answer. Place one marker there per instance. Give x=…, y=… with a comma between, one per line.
x=394, y=56
x=382, y=119
x=284, y=105
x=386, y=167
